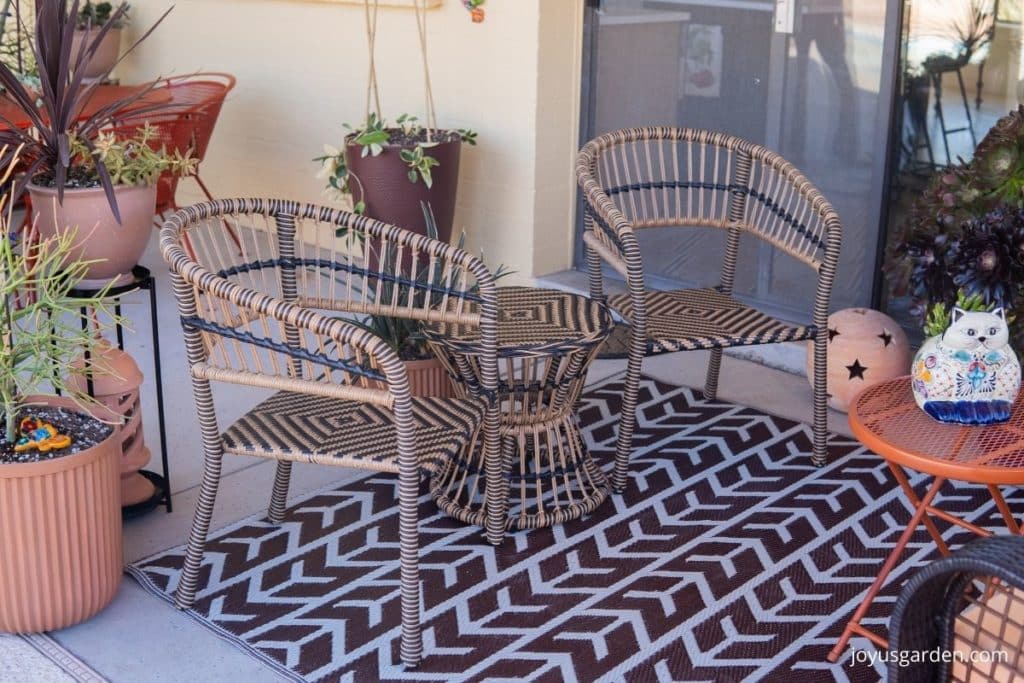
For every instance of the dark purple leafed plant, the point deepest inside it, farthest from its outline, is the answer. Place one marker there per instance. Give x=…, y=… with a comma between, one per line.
x=982, y=257
x=55, y=113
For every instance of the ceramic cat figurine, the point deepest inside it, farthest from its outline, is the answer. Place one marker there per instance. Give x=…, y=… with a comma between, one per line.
x=968, y=374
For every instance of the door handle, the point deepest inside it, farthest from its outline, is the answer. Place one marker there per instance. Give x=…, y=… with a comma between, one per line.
x=785, y=16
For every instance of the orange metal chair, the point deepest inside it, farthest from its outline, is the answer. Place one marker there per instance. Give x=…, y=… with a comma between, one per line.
x=188, y=123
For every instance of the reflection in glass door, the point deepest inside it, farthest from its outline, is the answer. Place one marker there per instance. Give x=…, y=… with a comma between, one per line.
x=806, y=78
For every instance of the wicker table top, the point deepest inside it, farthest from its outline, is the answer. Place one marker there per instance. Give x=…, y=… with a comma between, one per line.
x=886, y=419
x=533, y=321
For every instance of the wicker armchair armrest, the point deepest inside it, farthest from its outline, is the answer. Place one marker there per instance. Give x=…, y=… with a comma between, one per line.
x=331, y=330
x=923, y=616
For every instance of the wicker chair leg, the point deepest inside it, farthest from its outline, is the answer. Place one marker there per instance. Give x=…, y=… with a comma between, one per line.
x=408, y=524
x=496, y=472
x=594, y=275
x=627, y=420
x=188, y=583
x=279, y=496
x=711, y=381
x=820, y=425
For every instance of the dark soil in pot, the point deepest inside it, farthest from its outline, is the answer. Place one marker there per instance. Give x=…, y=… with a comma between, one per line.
x=85, y=432
x=77, y=178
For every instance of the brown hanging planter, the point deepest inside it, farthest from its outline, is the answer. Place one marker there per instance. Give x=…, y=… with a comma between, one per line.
x=382, y=183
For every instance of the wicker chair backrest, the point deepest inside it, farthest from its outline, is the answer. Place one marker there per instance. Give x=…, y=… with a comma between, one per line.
x=271, y=308
x=661, y=176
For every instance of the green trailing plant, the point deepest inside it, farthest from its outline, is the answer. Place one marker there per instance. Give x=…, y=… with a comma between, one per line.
x=16, y=42
x=134, y=159
x=99, y=13
x=401, y=334
x=39, y=322
x=373, y=137
x=55, y=112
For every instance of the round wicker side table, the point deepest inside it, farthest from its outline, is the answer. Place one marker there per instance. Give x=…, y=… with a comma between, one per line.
x=546, y=341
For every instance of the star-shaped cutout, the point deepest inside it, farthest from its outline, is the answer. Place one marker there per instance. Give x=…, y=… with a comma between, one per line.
x=832, y=333
x=856, y=370
x=885, y=337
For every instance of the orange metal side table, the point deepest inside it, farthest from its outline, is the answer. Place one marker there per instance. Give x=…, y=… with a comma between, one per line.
x=886, y=420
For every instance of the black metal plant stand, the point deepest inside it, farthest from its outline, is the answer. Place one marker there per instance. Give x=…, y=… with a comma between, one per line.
x=141, y=279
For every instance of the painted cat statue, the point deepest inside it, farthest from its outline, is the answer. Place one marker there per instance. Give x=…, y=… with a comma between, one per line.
x=968, y=374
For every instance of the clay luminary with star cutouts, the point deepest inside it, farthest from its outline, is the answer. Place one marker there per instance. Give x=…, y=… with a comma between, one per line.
x=864, y=347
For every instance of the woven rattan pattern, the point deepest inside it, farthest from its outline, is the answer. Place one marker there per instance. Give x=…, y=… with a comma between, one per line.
x=987, y=454
x=329, y=431
x=533, y=321
x=689, y=319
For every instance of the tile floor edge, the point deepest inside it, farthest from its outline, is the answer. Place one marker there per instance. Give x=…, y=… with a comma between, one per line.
x=68, y=662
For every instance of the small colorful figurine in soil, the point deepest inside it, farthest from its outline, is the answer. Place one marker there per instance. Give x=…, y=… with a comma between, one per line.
x=475, y=9
x=39, y=435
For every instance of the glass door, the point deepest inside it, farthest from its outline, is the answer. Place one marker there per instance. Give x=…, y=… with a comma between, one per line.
x=810, y=79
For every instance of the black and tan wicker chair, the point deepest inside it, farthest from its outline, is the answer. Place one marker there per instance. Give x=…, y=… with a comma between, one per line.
x=970, y=604
x=274, y=316
x=656, y=177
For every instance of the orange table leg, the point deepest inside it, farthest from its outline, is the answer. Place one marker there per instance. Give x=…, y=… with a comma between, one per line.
x=853, y=626
x=908, y=490
x=1004, y=509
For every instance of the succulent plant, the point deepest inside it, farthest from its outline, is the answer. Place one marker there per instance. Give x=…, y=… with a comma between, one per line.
x=982, y=259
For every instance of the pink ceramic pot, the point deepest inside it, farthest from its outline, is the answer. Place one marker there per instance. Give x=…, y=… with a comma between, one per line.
x=116, y=248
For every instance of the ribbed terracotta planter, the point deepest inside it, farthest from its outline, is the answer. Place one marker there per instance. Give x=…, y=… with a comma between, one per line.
x=428, y=378
x=60, y=537
x=114, y=247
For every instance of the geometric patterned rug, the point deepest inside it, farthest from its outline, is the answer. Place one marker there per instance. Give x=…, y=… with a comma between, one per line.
x=729, y=558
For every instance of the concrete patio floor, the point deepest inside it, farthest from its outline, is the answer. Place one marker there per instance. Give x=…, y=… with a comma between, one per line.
x=140, y=638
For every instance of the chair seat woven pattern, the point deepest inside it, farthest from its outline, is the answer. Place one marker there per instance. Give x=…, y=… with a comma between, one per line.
x=689, y=319
x=330, y=431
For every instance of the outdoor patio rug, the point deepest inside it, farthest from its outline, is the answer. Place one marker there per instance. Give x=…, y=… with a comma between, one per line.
x=729, y=558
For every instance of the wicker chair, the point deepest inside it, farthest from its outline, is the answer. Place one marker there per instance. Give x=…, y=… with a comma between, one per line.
x=269, y=317
x=970, y=601
x=653, y=177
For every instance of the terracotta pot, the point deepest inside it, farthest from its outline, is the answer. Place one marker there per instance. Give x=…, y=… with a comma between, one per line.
x=115, y=385
x=106, y=56
x=116, y=247
x=60, y=537
x=428, y=377
x=382, y=182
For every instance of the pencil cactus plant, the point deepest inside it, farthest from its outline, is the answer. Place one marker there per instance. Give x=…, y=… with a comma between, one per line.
x=40, y=323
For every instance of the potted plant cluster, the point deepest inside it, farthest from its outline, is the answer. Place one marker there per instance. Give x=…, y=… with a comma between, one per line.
x=966, y=234
x=391, y=169
x=80, y=170
x=91, y=17
x=60, y=540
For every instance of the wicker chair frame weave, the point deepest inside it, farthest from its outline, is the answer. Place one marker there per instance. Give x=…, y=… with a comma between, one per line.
x=278, y=313
x=971, y=600
x=640, y=178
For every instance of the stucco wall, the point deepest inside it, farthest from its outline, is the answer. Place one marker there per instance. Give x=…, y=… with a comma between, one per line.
x=301, y=69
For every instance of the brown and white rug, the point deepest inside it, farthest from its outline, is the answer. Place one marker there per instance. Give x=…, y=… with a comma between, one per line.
x=729, y=558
